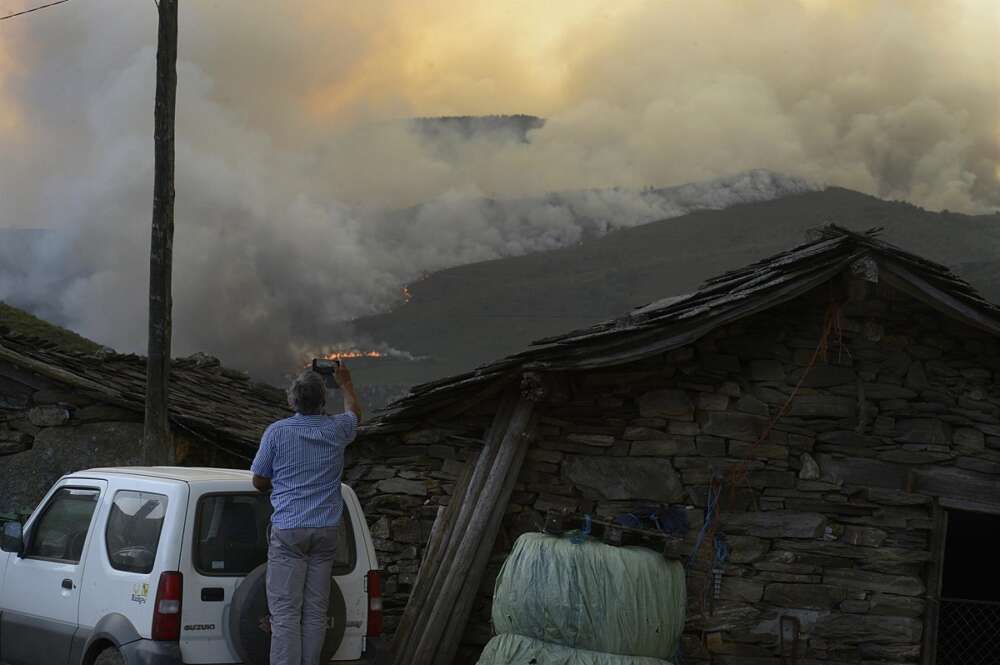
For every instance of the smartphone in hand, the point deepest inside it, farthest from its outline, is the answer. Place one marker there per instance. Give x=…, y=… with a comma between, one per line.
x=325, y=366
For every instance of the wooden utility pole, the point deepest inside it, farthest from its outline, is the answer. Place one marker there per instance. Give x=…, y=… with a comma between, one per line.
x=157, y=447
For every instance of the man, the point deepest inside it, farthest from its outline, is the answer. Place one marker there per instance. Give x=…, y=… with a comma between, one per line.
x=301, y=460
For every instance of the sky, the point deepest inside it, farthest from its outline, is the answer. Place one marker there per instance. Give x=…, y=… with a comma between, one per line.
x=290, y=141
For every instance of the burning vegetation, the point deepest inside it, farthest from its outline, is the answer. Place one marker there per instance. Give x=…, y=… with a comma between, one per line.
x=346, y=355
x=376, y=352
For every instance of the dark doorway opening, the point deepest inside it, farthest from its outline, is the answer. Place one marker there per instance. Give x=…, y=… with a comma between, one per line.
x=969, y=619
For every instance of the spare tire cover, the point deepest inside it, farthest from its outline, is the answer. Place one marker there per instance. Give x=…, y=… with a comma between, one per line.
x=250, y=620
x=592, y=596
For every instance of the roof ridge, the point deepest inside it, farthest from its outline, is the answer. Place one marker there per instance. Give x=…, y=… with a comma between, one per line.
x=668, y=323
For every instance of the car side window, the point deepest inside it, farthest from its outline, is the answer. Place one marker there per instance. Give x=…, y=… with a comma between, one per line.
x=133, y=532
x=61, y=532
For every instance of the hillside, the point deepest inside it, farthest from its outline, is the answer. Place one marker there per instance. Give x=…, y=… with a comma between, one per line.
x=466, y=127
x=18, y=321
x=468, y=315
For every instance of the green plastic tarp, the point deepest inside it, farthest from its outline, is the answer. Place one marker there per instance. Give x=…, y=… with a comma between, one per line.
x=592, y=596
x=521, y=650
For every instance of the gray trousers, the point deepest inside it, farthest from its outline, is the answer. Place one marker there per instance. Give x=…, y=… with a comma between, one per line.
x=299, y=563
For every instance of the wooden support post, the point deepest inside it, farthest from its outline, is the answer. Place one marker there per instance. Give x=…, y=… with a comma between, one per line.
x=436, y=534
x=935, y=568
x=432, y=575
x=452, y=638
x=431, y=562
x=454, y=576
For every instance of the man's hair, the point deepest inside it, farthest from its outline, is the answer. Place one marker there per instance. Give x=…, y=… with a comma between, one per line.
x=307, y=394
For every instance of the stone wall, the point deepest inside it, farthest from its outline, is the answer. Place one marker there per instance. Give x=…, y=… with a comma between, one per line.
x=836, y=529
x=401, y=481
x=48, y=429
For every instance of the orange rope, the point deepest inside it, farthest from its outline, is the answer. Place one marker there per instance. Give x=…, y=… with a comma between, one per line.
x=740, y=472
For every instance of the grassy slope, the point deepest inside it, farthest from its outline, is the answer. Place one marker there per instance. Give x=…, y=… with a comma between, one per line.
x=469, y=315
x=21, y=322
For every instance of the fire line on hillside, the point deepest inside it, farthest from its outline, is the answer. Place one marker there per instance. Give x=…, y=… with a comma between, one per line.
x=372, y=352
x=343, y=355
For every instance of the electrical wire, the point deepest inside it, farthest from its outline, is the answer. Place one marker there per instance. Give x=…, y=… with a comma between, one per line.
x=33, y=9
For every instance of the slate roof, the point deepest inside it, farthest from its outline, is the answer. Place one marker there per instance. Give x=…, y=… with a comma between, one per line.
x=674, y=322
x=205, y=398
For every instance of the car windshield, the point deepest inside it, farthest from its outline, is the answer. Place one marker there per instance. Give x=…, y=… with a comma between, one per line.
x=232, y=532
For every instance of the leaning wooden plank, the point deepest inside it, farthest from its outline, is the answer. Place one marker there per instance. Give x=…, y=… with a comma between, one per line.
x=436, y=575
x=454, y=574
x=428, y=583
x=452, y=637
x=437, y=535
x=432, y=557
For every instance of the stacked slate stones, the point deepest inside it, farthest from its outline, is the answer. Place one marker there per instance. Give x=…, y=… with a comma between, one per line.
x=576, y=601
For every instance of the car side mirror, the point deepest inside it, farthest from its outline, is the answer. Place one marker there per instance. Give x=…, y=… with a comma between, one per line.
x=12, y=539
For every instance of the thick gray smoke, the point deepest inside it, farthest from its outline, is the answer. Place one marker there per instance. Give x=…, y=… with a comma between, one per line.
x=290, y=152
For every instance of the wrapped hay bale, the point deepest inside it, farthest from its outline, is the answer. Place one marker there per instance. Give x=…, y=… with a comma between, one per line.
x=592, y=596
x=520, y=650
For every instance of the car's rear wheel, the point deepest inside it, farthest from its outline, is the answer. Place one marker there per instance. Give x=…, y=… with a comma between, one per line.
x=250, y=620
x=110, y=656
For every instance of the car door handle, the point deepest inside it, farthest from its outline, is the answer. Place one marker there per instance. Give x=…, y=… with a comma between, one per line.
x=67, y=584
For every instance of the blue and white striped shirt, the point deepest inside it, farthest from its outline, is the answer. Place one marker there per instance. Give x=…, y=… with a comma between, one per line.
x=304, y=458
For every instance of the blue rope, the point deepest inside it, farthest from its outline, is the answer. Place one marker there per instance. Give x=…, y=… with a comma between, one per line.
x=670, y=521
x=713, y=500
x=581, y=536
x=630, y=520
x=674, y=521
x=721, y=551
x=656, y=521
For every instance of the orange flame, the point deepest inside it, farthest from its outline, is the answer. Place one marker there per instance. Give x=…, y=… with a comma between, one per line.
x=341, y=355
x=407, y=296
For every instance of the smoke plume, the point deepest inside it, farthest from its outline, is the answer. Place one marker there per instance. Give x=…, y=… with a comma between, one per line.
x=304, y=198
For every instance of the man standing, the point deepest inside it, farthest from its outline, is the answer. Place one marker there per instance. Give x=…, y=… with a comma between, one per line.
x=301, y=459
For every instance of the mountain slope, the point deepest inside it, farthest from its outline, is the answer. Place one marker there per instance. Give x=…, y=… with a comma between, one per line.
x=20, y=322
x=468, y=315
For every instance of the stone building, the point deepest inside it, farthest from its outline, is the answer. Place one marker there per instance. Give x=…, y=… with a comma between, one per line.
x=62, y=411
x=838, y=402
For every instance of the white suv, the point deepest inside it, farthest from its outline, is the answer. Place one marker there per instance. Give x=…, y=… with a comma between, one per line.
x=164, y=566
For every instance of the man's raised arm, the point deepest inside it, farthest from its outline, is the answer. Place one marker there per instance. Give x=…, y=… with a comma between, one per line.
x=351, y=401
